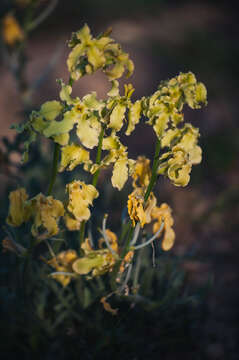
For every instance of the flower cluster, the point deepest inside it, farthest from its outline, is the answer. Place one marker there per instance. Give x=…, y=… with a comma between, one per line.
x=78, y=125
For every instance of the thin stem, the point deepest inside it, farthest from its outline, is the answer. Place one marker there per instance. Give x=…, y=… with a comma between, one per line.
x=54, y=167
x=151, y=239
x=62, y=273
x=105, y=235
x=98, y=156
x=154, y=170
x=45, y=13
x=136, y=234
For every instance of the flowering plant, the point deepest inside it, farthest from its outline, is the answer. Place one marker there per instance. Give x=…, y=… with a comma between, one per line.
x=79, y=125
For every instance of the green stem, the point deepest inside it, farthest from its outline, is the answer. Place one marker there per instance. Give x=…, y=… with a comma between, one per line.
x=154, y=171
x=98, y=156
x=95, y=178
x=54, y=167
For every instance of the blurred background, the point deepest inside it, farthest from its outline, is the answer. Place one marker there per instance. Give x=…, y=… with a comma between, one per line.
x=163, y=38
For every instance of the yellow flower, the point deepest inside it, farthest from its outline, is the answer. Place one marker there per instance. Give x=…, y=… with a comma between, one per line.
x=19, y=211
x=118, y=155
x=46, y=212
x=90, y=54
x=134, y=116
x=73, y=155
x=80, y=197
x=11, y=30
x=163, y=213
x=164, y=107
x=63, y=262
x=96, y=262
x=136, y=208
x=177, y=163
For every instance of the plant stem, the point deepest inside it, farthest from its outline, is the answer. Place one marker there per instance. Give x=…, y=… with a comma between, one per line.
x=54, y=167
x=95, y=178
x=98, y=156
x=154, y=170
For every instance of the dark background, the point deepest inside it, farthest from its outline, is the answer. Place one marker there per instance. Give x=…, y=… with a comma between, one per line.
x=164, y=38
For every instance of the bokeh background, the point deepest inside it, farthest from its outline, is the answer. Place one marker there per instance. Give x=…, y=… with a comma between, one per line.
x=163, y=38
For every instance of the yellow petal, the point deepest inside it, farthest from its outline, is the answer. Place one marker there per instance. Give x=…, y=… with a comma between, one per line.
x=161, y=124
x=134, y=116
x=51, y=109
x=88, y=131
x=71, y=223
x=80, y=197
x=73, y=155
x=201, y=93
x=117, y=117
x=164, y=213
x=120, y=173
x=18, y=209
x=96, y=57
x=114, y=91
x=62, y=139
x=47, y=212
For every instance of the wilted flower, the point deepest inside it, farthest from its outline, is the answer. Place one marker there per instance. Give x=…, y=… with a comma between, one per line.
x=164, y=213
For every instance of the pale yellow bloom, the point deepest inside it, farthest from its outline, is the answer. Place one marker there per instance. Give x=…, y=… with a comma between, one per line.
x=134, y=116
x=118, y=155
x=11, y=30
x=73, y=155
x=164, y=213
x=18, y=208
x=90, y=54
x=164, y=107
x=96, y=262
x=46, y=212
x=81, y=196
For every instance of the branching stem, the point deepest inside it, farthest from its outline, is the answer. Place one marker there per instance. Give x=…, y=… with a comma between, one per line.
x=54, y=167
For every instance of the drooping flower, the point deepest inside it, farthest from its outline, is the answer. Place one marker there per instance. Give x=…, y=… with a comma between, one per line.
x=137, y=210
x=177, y=163
x=164, y=213
x=46, y=212
x=141, y=172
x=81, y=196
